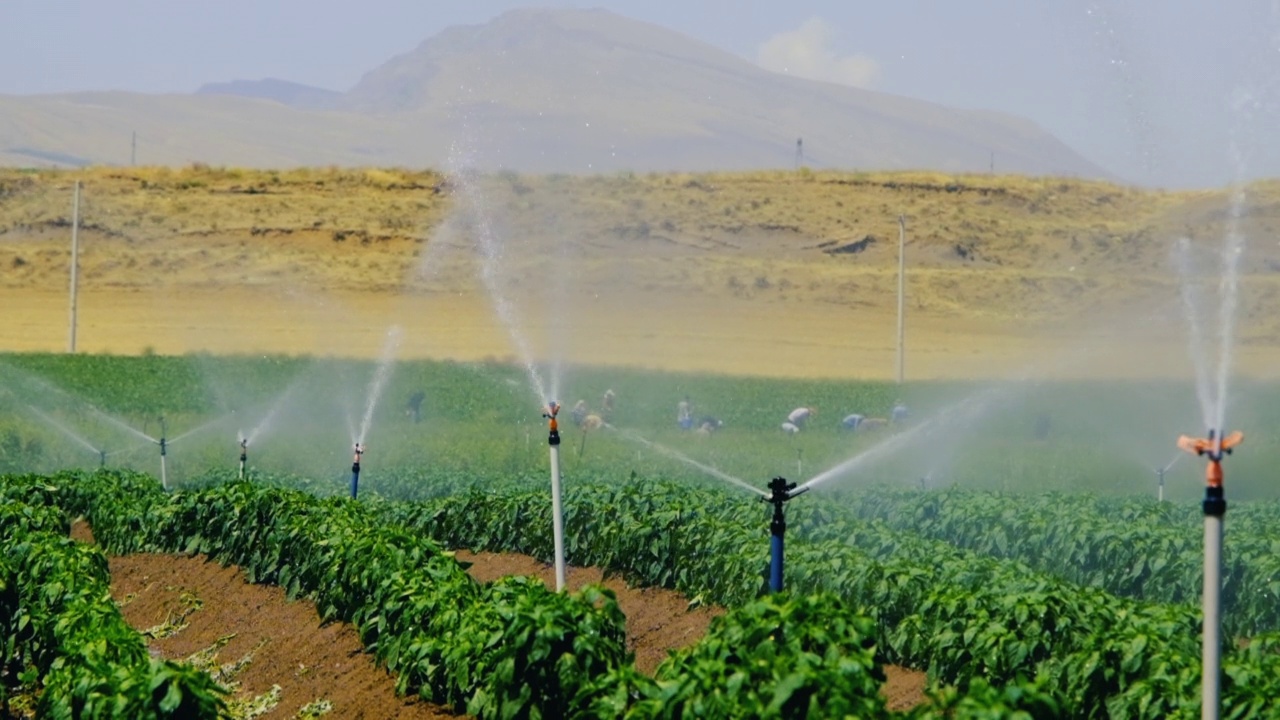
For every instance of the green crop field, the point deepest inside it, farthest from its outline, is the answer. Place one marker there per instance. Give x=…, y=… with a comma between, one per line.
x=1004, y=538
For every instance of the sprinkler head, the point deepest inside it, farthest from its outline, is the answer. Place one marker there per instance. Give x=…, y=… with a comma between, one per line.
x=553, y=428
x=781, y=491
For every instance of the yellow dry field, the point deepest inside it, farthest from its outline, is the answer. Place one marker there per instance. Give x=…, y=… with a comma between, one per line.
x=780, y=274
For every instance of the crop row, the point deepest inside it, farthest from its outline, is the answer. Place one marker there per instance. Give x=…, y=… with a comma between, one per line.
x=962, y=616
x=510, y=648
x=1143, y=550
x=61, y=637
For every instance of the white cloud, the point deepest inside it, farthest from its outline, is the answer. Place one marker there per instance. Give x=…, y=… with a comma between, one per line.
x=806, y=52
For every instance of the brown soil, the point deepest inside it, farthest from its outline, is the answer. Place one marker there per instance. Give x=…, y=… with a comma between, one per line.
x=311, y=661
x=904, y=688
x=660, y=621
x=288, y=645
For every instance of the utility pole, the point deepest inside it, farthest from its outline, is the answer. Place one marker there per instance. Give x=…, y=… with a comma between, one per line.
x=799, y=152
x=75, y=262
x=993, y=162
x=133, y=149
x=902, y=269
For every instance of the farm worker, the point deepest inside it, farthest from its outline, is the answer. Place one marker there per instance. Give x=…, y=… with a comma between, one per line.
x=708, y=424
x=790, y=428
x=684, y=414
x=579, y=412
x=800, y=416
x=414, y=408
x=899, y=413
x=852, y=421
x=606, y=408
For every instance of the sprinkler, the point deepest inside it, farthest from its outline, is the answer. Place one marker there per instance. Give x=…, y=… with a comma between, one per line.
x=781, y=492
x=1215, y=506
x=355, y=471
x=244, y=455
x=102, y=459
x=1160, y=473
x=164, y=444
x=557, y=518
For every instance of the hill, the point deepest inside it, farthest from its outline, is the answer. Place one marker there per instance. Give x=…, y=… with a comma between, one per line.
x=281, y=91
x=536, y=90
x=789, y=273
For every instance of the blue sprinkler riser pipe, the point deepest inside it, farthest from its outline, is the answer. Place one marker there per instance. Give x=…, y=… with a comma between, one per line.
x=355, y=471
x=775, y=563
x=781, y=491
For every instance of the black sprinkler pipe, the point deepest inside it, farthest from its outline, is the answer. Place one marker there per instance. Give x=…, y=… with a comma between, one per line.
x=781, y=491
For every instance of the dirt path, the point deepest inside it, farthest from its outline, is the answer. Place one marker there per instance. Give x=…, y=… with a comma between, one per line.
x=253, y=636
x=660, y=620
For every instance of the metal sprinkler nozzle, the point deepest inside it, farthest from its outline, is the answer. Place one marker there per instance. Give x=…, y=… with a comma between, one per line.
x=553, y=428
x=359, y=451
x=244, y=449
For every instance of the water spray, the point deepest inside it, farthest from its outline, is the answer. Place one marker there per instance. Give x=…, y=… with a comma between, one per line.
x=244, y=455
x=557, y=519
x=68, y=432
x=355, y=471
x=780, y=492
x=1214, y=448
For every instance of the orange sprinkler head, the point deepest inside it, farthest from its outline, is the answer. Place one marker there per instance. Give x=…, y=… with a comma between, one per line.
x=1201, y=446
x=1213, y=448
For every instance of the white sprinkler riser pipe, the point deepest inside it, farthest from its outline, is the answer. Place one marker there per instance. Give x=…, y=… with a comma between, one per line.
x=557, y=520
x=1211, y=652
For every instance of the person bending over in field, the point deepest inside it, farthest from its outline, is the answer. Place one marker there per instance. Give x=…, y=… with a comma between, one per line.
x=800, y=416
x=899, y=413
x=414, y=408
x=852, y=421
x=579, y=412
x=684, y=414
x=606, y=407
x=708, y=424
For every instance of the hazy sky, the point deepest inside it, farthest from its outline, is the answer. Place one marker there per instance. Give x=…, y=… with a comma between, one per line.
x=1154, y=90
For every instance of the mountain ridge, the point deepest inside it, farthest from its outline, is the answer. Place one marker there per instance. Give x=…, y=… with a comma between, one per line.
x=543, y=90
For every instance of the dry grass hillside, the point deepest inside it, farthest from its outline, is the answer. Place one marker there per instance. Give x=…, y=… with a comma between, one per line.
x=655, y=258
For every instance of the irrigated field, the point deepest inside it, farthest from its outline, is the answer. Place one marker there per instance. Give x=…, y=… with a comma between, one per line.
x=1003, y=538
x=939, y=551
